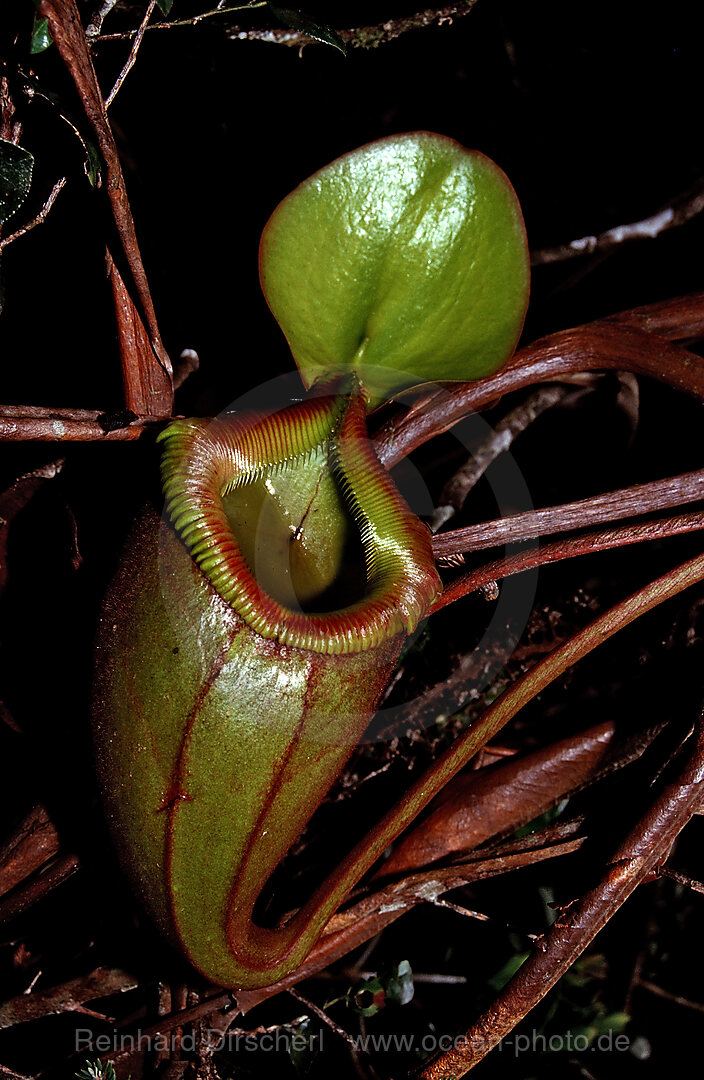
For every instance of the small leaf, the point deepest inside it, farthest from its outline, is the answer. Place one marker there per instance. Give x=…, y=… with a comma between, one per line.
x=164, y=6
x=16, y=165
x=305, y=24
x=404, y=261
x=399, y=985
x=41, y=37
x=301, y=1045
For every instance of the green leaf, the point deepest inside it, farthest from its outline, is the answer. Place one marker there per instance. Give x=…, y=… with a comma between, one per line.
x=16, y=166
x=399, y=985
x=305, y=24
x=506, y=973
x=164, y=6
x=41, y=38
x=405, y=260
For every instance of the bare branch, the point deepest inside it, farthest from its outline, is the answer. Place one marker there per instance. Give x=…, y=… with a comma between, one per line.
x=678, y=213
x=57, y=427
x=323, y=1016
x=585, y=544
x=39, y=219
x=69, y=997
x=133, y=54
x=616, y=505
x=364, y=37
x=458, y=487
x=598, y=346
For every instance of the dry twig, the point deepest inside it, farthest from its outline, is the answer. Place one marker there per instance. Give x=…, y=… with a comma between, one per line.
x=678, y=213
x=40, y=217
x=597, y=510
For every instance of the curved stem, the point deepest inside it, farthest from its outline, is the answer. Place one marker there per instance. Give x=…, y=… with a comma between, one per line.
x=288, y=945
x=603, y=346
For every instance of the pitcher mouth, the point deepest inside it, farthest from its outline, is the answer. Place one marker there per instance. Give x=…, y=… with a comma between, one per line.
x=204, y=461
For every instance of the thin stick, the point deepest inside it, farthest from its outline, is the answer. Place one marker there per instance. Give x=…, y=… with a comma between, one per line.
x=458, y=487
x=39, y=219
x=323, y=1016
x=365, y=37
x=678, y=213
x=616, y=505
x=133, y=54
x=567, y=549
x=57, y=428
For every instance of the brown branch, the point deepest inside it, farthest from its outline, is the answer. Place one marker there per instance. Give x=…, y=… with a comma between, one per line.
x=678, y=319
x=458, y=487
x=647, y=844
x=69, y=997
x=148, y=389
x=364, y=37
x=33, y=842
x=40, y=217
x=598, y=346
x=27, y=894
x=558, y=550
x=682, y=879
x=652, y=988
x=57, y=427
x=614, y=506
x=679, y=212
x=132, y=56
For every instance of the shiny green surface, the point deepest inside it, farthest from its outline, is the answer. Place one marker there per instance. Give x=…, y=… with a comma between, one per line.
x=214, y=748
x=405, y=260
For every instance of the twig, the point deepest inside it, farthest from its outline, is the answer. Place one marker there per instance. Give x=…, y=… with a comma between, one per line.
x=96, y=23
x=40, y=217
x=365, y=37
x=34, y=841
x=653, y=988
x=678, y=213
x=681, y=879
x=132, y=56
x=187, y=363
x=458, y=487
x=437, y=902
x=148, y=387
x=574, y=930
x=25, y=895
x=69, y=997
x=323, y=1016
x=614, y=506
x=558, y=550
x=352, y=928
x=55, y=428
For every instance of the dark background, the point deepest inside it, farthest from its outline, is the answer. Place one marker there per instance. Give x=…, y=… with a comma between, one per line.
x=594, y=112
